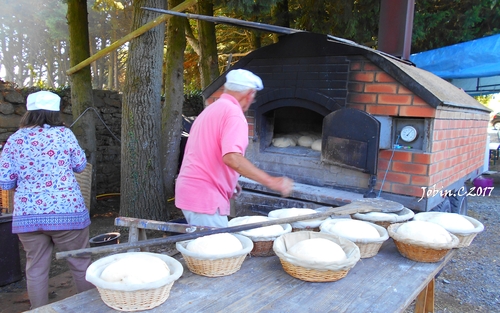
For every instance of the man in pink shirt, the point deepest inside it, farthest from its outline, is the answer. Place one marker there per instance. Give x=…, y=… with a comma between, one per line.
x=214, y=155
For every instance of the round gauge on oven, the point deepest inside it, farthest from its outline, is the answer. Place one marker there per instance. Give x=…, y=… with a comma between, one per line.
x=408, y=133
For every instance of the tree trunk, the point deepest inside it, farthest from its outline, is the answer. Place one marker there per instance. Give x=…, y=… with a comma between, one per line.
x=142, y=192
x=174, y=98
x=8, y=61
x=281, y=16
x=255, y=40
x=50, y=58
x=111, y=71
x=93, y=67
x=81, y=83
x=209, y=64
x=61, y=65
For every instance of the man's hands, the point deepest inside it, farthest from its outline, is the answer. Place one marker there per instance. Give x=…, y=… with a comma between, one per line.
x=283, y=185
x=244, y=167
x=237, y=191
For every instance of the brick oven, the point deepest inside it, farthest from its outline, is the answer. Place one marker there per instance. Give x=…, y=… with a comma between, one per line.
x=387, y=128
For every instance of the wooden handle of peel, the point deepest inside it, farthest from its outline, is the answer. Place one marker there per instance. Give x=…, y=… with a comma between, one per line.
x=347, y=209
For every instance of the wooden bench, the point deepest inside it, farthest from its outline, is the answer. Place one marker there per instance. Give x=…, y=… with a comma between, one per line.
x=137, y=231
x=385, y=283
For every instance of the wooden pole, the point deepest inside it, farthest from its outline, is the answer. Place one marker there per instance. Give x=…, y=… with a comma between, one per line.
x=141, y=30
x=348, y=209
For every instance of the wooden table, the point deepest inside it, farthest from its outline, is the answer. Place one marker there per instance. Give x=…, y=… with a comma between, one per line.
x=385, y=283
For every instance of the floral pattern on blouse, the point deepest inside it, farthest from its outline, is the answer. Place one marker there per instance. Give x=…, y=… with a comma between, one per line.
x=40, y=163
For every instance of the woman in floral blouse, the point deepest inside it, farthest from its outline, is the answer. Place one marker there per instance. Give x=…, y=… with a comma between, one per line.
x=49, y=210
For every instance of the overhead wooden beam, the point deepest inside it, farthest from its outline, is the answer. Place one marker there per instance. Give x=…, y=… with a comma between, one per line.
x=231, y=21
x=136, y=33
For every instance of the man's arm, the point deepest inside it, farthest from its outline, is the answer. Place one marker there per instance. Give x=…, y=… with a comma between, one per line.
x=244, y=167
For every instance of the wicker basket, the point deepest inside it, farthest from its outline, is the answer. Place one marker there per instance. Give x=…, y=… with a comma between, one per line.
x=465, y=238
x=420, y=251
x=84, y=179
x=7, y=201
x=210, y=266
x=312, y=275
x=262, y=248
x=305, y=229
x=123, y=298
x=262, y=245
x=138, y=300
x=367, y=247
x=315, y=271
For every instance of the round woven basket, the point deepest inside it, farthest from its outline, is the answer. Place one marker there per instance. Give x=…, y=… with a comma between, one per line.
x=315, y=271
x=312, y=275
x=262, y=248
x=138, y=300
x=133, y=298
x=262, y=245
x=420, y=251
x=305, y=229
x=215, y=266
x=465, y=238
x=367, y=247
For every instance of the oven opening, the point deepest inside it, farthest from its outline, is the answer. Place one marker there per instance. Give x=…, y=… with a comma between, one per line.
x=293, y=131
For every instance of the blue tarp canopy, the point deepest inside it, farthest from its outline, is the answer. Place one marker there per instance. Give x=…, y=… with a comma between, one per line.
x=473, y=66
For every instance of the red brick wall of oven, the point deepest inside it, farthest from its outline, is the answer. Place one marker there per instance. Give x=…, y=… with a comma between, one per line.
x=457, y=139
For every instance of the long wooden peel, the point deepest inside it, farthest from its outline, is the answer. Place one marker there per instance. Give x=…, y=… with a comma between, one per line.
x=360, y=206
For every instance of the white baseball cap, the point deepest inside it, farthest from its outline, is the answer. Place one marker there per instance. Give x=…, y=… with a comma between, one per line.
x=244, y=78
x=43, y=100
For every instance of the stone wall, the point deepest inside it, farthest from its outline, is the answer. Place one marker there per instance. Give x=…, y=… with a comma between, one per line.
x=108, y=106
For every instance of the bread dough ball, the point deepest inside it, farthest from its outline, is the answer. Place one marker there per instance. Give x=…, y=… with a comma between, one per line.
x=354, y=229
x=282, y=142
x=305, y=141
x=452, y=221
x=291, y=212
x=318, y=250
x=424, y=231
x=316, y=145
x=215, y=244
x=266, y=231
x=136, y=269
x=282, y=213
x=293, y=139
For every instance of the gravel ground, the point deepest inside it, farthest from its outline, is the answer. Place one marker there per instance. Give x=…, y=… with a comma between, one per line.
x=470, y=282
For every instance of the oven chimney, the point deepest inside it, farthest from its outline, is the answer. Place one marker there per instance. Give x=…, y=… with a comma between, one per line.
x=395, y=27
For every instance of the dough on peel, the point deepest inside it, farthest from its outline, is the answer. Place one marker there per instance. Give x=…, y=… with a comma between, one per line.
x=291, y=212
x=318, y=250
x=305, y=141
x=282, y=142
x=215, y=244
x=353, y=229
x=424, y=231
x=136, y=269
x=316, y=145
x=293, y=139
